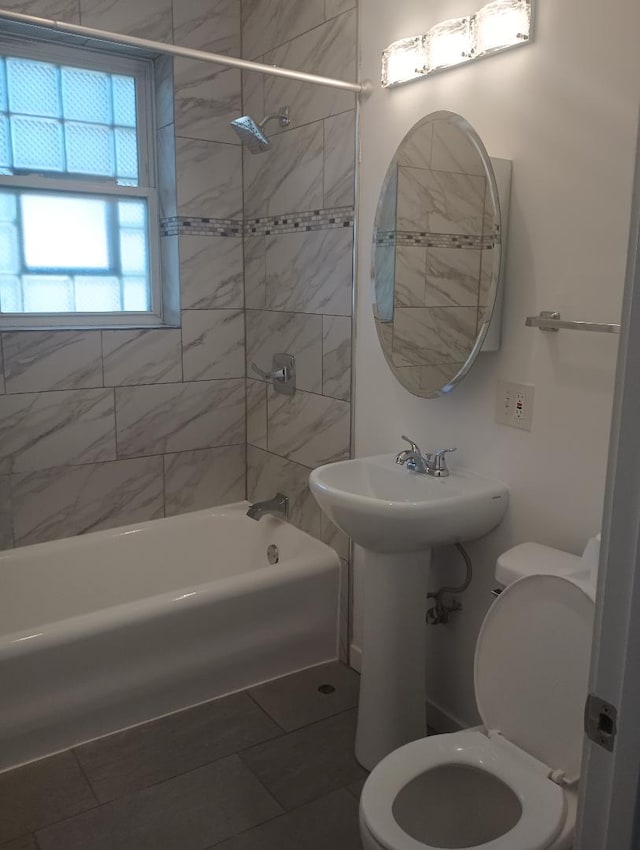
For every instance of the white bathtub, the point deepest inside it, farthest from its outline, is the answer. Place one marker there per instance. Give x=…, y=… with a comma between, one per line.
x=110, y=629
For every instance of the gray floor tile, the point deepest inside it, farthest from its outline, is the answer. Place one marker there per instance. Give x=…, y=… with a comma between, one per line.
x=42, y=793
x=295, y=700
x=145, y=755
x=330, y=823
x=304, y=765
x=26, y=842
x=189, y=812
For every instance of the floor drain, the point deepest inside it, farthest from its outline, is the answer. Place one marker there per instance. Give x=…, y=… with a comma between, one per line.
x=326, y=689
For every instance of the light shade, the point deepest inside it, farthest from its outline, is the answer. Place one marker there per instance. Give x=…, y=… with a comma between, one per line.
x=450, y=43
x=404, y=60
x=502, y=24
x=496, y=26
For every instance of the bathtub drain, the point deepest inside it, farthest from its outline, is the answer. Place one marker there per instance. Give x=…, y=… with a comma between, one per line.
x=273, y=556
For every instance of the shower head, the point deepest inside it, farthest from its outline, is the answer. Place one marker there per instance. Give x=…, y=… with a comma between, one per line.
x=251, y=133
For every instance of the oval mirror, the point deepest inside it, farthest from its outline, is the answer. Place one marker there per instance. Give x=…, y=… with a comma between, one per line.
x=437, y=251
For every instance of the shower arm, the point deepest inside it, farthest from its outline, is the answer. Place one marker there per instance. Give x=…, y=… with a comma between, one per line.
x=362, y=89
x=282, y=117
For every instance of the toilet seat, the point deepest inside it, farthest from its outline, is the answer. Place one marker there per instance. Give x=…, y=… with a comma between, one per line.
x=531, y=671
x=543, y=802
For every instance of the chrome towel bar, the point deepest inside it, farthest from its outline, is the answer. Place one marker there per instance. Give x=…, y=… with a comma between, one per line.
x=550, y=320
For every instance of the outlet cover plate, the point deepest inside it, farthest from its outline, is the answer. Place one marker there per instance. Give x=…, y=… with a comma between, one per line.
x=514, y=405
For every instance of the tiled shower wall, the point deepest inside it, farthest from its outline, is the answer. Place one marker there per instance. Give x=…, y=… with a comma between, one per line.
x=298, y=207
x=103, y=428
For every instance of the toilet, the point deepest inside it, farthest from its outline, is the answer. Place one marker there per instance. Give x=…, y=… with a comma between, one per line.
x=511, y=784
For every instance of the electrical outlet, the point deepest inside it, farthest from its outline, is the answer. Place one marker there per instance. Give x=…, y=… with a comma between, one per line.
x=514, y=405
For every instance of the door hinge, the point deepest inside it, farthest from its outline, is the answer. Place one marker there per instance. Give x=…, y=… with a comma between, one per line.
x=600, y=722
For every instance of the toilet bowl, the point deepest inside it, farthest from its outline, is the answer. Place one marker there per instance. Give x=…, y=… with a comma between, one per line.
x=513, y=785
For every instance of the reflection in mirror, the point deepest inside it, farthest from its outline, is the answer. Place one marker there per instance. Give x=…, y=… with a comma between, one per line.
x=437, y=250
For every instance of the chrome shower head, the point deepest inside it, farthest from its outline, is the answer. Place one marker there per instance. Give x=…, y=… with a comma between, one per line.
x=251, y=133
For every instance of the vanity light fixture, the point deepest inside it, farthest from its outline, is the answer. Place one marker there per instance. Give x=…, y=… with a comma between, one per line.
x=497, y=26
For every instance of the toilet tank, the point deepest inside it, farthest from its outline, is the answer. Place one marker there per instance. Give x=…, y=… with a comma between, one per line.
x=533, y=558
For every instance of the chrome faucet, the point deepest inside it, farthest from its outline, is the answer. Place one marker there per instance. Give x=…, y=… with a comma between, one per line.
x=279, y=506
x=433, y=463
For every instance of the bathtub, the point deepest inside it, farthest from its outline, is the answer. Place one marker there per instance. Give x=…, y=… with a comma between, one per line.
x=114, y=628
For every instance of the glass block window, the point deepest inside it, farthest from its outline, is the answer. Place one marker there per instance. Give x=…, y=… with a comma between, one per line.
x=66, y=253
x=67, y=120
x=78, y=220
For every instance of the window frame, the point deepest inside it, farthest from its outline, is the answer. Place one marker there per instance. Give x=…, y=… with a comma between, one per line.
x=142, y=70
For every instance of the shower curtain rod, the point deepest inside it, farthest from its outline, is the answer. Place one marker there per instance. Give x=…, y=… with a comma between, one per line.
x=185, y=52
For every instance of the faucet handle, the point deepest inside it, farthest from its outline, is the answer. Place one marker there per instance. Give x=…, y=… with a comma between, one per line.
x=414, y=446
x=439, y=460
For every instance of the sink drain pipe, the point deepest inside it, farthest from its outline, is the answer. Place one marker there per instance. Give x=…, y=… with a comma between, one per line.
x=439, y=612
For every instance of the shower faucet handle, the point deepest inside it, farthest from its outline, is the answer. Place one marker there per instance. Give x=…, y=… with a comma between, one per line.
x=282, y=375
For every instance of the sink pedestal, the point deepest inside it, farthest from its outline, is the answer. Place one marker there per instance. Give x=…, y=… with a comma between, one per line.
x=391, y=710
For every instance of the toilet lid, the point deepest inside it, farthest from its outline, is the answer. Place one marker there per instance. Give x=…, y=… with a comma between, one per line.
x=532, y=665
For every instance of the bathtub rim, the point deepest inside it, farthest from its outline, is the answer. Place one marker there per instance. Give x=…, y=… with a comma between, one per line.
x=318, y=557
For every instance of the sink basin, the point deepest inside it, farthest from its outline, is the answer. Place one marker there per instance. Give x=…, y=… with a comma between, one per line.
x=386, y=508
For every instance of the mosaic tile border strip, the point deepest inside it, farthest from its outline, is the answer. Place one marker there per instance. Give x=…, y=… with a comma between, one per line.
x=435, y=240
x=322, y=219
x=183, y=225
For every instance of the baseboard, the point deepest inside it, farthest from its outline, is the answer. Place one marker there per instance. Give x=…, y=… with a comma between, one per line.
x=437, y=717
x=442, y=721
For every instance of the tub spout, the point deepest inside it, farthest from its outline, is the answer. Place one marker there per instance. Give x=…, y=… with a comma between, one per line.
x=279, y=506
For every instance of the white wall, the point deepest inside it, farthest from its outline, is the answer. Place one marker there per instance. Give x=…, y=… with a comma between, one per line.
x=564, y=110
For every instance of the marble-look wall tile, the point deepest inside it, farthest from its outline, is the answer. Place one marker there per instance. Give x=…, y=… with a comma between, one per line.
x=268, y=474
x=289, y=179
x=211, y=272
x=212, y=25
x=270, y=333
x=178, y=417
x=339, y=159
x=2, y=389
x=453, y=277
x=204, y=478
x=384, y=283
x=207, y=99
x=257, y=413
x=332, y=536
x=433, y=336
x=6, y=513
x=267, y=23
x=145, y=18
x=166, y=156
x=410, y=275
x=453, y=150
x=170, y=260
x=255, y=272
x=209, y=179
x=300, y=278
x=327, y=50
x=440, y=202
x=336, y=357
x=253, y=93
x=41, y=430
x=213, y=344
x=73, y=500
x=59, y=10
x=51, y=360
x=308, y=428
x=163, y=73
x=489, y=270
x=337, y=7
x=142, y=356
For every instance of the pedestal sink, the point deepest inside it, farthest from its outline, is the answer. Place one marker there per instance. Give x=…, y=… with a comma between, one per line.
x=398, y=516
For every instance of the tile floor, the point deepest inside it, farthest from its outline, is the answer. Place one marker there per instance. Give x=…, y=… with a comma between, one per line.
x=271, y=768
